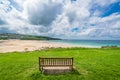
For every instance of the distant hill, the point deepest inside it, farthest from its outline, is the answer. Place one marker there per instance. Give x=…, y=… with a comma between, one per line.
x=6, y=36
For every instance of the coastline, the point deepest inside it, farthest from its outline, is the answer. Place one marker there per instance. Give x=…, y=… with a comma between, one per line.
x=31, y=45
x=76, y=45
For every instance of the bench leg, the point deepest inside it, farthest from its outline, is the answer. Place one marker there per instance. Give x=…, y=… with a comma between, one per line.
x=71, y=68
x=41, y=69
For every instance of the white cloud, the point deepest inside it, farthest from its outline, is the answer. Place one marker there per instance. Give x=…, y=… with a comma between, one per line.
x=42, y=12
x=58, y=17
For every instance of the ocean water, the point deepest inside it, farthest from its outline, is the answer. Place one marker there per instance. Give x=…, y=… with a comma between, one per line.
x=90, y=43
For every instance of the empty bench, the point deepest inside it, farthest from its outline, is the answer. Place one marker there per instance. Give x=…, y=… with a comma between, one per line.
x=55, y=65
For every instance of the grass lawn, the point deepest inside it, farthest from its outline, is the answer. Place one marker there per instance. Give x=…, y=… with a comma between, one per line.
x=90, y=64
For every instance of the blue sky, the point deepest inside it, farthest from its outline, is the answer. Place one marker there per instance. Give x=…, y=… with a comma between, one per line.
x=71, y=19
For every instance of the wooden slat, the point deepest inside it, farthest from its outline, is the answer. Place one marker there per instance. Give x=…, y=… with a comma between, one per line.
x=55, y=62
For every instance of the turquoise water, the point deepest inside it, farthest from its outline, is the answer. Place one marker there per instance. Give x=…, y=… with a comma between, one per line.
x=92, y=43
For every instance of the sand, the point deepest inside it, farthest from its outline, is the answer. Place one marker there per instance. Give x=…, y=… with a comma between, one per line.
x=28, y=45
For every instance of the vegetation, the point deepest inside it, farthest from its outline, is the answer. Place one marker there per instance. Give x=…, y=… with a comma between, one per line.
x=90, y=64
x=25, y=37
x=109, y=47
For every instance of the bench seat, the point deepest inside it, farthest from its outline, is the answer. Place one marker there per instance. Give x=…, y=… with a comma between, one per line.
x=56, y=68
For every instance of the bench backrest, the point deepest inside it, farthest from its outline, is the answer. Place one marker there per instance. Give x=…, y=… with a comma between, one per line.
x=55, y=62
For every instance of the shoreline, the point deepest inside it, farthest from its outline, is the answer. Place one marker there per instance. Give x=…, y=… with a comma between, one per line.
x=76, y=45
x=13, y=45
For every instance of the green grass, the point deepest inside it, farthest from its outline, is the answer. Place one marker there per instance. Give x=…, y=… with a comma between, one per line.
x=90, y=64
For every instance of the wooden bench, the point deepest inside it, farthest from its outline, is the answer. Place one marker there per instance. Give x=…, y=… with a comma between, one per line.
x=55, y=65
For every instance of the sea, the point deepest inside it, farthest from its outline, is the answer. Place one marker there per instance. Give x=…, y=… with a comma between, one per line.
x=90, y=43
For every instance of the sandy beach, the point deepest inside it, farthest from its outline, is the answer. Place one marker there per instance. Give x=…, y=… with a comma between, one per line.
x=28, y=45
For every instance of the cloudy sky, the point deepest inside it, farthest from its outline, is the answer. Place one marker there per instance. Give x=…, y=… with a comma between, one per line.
x=71, y=19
